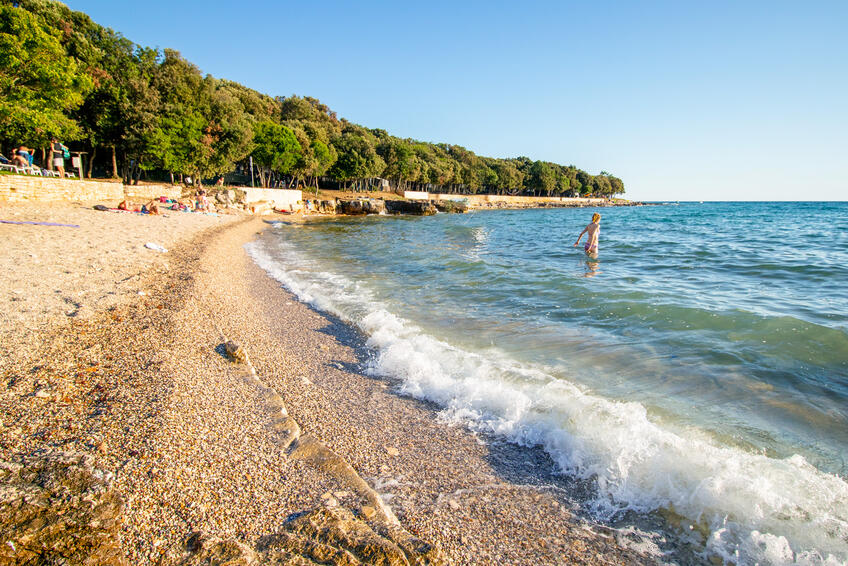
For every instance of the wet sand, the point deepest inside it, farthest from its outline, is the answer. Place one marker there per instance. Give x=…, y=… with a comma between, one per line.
x=141, y=382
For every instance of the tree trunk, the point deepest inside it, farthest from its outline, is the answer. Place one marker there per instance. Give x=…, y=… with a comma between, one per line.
x=114, y=163
x=50, y=158
x=91, y=160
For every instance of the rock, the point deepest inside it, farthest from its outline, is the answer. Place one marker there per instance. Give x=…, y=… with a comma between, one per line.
x=235, y=352
x=417, y=207
x=393, y=451
x=360, y=206
x=332, y=536
x=57, y=508
x=201, y=549
x=328, y=206
x=368, y=512
x=451, y=206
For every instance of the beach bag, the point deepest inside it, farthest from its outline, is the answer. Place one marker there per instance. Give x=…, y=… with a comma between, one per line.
x=65, y=153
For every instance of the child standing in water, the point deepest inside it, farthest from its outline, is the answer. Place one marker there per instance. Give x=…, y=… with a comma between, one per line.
x=592, y=231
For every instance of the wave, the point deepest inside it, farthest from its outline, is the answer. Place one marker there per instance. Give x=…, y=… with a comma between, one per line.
x=750, y=507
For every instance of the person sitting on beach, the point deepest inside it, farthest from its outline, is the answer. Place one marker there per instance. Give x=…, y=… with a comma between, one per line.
x=592, y=231
x=202, y=201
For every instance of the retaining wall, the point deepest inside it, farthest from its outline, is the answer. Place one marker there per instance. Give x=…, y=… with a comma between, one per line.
x=286, y=199
x=25, y=188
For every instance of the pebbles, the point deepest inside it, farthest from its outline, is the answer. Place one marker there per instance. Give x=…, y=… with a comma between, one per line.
x=189, y=438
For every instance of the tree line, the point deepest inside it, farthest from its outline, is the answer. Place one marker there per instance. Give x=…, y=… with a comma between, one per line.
x=138, y=111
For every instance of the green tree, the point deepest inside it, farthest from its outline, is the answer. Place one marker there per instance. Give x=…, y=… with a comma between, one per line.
x=542, y=177
x=39, y=83
x=276, y=149
x=357, y=157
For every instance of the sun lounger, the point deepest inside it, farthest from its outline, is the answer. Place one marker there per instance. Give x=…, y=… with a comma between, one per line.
x=10, y=167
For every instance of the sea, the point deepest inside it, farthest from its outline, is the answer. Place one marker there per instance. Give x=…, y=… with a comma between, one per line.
x=697, y=367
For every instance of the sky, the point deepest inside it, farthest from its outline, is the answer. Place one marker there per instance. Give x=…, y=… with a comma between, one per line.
x=736, y=100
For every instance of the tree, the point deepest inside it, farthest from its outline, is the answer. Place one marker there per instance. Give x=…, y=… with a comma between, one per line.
x=276, y=149
x=542, y=177
x=325, y=155
x=357, y=157
x=39, y=83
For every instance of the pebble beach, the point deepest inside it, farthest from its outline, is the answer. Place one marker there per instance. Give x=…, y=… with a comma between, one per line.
x=117, y=351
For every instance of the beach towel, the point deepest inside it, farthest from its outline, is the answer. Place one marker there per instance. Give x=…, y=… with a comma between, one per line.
x=38, y=223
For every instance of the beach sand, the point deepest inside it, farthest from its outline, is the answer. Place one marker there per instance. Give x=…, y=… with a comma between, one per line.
x=115, y=350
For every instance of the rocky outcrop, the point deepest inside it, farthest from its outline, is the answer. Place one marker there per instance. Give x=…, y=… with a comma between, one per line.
x=327, y=535
x=57, y=508
x=225, y=196
x=450, y=206
x=327, y=206
x=417, y=207
x=360, y=206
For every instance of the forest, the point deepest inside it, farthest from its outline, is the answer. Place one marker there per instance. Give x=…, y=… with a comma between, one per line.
x=142, y=113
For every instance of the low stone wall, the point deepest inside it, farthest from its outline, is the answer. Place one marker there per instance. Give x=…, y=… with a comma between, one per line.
x=286, y=199
x=148, y=192
x=25, y=188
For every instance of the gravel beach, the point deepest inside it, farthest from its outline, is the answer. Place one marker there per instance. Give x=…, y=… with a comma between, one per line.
x=117, y=351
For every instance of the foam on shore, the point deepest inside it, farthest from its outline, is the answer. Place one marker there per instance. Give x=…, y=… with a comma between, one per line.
x=751, y=508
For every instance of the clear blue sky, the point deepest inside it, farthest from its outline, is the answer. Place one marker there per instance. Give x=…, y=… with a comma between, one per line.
x=737, y=100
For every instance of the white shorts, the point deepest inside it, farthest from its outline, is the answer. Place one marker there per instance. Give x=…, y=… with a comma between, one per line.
x=59, y=161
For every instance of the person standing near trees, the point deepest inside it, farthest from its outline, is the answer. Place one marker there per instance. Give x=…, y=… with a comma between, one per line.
x=60, y=153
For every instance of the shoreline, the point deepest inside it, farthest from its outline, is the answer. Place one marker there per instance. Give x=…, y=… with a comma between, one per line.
x=141, y=384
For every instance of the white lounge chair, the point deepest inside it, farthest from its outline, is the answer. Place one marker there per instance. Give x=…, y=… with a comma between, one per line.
x=10, y=167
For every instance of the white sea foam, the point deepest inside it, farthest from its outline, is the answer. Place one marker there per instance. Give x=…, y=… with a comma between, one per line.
x=755, y=509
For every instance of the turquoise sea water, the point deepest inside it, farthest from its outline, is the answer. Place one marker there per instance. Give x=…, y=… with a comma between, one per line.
x=699, y=364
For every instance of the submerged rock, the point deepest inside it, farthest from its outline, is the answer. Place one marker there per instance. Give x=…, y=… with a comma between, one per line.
x=57, y=508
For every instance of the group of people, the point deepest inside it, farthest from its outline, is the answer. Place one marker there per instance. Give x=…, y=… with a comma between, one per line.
x=155, y=206
x=24, y=157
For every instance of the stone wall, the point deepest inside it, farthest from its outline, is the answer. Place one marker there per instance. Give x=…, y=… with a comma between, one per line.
x=25, y=188
x=148, y=192
x=286, y=199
